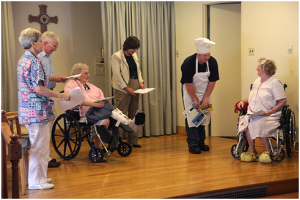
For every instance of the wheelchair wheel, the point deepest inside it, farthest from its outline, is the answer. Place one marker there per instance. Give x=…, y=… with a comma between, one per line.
x=96, y=155
x=290, y=133
x=237, y=155
x=124, y=149
x=66, y=136
x=277, y=157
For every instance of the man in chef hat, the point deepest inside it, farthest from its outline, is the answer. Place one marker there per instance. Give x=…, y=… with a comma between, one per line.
x=199, y=76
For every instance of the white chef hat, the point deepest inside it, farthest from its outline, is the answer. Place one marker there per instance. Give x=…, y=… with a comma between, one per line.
x=203, y=45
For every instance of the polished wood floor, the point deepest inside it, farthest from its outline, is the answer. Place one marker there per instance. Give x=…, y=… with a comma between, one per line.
x=162, y=168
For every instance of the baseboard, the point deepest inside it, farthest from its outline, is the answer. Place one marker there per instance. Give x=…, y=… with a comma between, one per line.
x=181, y=130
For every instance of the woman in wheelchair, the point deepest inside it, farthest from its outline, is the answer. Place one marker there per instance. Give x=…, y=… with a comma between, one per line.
x=267, y=95
x=92, y=108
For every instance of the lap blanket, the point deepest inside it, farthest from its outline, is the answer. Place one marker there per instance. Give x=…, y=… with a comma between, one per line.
x=95, y=114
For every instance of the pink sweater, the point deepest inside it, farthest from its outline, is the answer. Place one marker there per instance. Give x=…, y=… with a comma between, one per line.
x=92, y=94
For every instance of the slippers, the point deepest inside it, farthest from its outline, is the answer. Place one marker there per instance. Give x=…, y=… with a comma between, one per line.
x=265, y=157
x=248, y=157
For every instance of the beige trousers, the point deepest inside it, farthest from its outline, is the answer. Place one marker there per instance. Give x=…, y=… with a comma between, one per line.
x=129, y=105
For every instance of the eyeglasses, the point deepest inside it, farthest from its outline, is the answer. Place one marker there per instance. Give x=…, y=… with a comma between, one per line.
x=53, y=46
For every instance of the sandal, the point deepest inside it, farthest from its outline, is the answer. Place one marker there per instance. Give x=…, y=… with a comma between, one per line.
x=248, y=157
x=265, y=157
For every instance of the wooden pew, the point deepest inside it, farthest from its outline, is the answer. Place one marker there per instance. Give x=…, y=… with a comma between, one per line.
x=14, y=155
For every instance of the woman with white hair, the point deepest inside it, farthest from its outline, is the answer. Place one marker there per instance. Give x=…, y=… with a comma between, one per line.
x=267, y=95
x=92, y=109
x=35, y=108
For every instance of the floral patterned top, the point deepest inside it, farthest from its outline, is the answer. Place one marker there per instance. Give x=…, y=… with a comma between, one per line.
x=33, y=108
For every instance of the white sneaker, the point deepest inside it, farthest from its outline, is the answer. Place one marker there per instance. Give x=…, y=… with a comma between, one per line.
x=49, y=180
x=41, y=186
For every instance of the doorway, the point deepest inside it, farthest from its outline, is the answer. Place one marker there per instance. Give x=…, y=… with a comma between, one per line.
x=223, y=26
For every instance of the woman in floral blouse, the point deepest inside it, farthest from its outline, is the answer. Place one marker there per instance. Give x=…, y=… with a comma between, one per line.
x=35, y=108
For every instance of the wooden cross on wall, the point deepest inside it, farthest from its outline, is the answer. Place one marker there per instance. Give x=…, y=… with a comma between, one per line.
x=43, y=19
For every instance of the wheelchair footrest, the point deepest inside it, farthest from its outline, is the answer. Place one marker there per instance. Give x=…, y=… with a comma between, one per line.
x=104, y=133
x=125, y=127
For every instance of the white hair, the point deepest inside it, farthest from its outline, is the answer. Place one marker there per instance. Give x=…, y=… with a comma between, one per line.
x=28, y=35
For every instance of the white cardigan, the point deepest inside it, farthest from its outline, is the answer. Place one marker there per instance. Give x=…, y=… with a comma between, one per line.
x=120, y=67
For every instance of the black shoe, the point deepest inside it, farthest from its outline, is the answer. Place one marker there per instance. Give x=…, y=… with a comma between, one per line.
x=52, y=163
x=204, y=147
x=103, y=160
x=195, y=149
x=136, y=145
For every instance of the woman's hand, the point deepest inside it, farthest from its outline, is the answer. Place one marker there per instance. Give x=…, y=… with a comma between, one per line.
x=268, y=113
x=65, y=96
x=241, y=104
x=130, y=91
x=100, y=104
x=142, y=86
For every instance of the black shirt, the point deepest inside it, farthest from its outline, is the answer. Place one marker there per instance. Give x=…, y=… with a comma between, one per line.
x=132, y=66
x=188, y=69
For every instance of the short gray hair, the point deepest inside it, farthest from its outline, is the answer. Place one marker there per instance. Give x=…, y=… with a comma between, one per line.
x=76, y=69
x=49, y=35
x=28, y=35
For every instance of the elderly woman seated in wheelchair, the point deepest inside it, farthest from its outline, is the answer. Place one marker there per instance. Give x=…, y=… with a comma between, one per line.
x=265, y=102
x=99, y=115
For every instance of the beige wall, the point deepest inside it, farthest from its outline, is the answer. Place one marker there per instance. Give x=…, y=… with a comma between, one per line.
x=79, y=29
x=270, y=27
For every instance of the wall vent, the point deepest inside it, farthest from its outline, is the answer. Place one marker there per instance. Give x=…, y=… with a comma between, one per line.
x=245, y=193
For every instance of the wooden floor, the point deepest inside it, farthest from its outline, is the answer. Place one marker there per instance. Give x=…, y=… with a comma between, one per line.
x=162, y=168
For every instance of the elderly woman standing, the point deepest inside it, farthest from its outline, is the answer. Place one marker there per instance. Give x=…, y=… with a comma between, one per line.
x=35, y=108
x=126, y=78
x=268, y=95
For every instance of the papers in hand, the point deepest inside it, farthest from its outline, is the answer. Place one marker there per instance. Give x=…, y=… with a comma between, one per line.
x=77, y=98
x=193, y=115
x=74, y=76
x=143, y=91
x=261, y=112
x=103, y=99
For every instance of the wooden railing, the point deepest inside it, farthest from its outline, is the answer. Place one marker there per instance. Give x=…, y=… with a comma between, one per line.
x=14, y=155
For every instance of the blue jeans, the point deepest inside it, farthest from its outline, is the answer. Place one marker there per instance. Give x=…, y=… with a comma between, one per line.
x=195, y=135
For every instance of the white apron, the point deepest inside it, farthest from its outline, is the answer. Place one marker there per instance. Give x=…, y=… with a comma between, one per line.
x=200, y=81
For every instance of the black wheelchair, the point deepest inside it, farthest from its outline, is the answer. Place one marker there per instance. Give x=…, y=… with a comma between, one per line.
x=69, y=131
x=286, y=134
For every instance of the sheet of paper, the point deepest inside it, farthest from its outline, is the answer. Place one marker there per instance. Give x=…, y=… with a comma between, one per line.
x=104, y=99
x=143, y=91
x=77, y=98
x=74, y=76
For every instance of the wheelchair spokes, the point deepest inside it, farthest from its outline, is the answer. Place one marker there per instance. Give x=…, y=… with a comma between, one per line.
x=277, y=154
x=66, y=139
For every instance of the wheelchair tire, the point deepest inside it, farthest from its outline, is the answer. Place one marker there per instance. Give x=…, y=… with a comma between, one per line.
x=96, y=155
x=277, y=158
x=124, y=149
x=290, y=133
x=237, y=156
x=66, y=136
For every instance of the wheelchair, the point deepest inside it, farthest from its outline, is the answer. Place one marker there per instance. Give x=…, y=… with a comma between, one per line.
x=68, y=132
x=285, y=134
